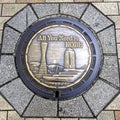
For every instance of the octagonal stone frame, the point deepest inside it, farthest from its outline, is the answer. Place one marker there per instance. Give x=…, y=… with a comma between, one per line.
x=90, y=103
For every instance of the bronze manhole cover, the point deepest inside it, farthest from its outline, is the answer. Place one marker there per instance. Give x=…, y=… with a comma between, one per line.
x=58, y=58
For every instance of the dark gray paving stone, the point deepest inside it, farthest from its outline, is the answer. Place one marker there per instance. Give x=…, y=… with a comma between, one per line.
x=74, y=108
x=17, y=94
x=41, y=107
x=7, y=69
x=107, y=38
x=73, y=9
x=110, y=70
x=99, y=96
x=46, y=9
x=10, y=38
x=95, y=19
x=23, y=19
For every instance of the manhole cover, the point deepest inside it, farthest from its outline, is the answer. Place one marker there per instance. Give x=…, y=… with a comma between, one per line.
x=58, y=58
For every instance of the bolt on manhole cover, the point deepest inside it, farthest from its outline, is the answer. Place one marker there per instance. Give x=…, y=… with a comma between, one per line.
x=58, y=58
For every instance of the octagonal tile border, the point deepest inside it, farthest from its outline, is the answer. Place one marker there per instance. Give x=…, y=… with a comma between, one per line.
x=25, y=102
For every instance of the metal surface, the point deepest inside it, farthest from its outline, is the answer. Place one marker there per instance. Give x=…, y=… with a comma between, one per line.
x=58, y=58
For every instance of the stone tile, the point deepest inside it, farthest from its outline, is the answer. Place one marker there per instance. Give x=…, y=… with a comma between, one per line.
x=110, y=70
x=41, y=107
x=59, y=0
x=0, y=36
x=17, y=94
x=99, y=96
x=4, y=105
x=118, y=36
x=34, y=119
x=12, y=115
x=0, y=8
x=115, y=104
x=2, y=21
x=45, y=9
x=51, y=118
x=88, y=119
x=118, y=49
x=7, y=69
x=7, y=1
x=112, y=0
x=119, y=63
x=3, y=115
x=117, y=115
x=74, y=108
x=73, y=9
x=107, y=8
x=11, y=9
x=29, y=1
x=116, y=20
x=119, y=6
x=88, y=0
x=106, y=115
x=28, y=17
x=10, y=38
x=69, y=118
x=95, y=19
x=107, y=39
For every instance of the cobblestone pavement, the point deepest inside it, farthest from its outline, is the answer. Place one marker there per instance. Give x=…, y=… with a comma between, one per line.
x=110, y=8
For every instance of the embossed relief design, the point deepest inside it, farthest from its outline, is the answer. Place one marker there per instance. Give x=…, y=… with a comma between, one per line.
x=58, y=56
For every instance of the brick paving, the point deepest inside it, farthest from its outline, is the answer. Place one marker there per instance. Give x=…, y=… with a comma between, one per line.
x=111, y=8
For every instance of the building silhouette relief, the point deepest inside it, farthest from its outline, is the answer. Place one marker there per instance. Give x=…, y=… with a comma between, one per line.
x=70, y=62
x=69, y=59
x=43, y=65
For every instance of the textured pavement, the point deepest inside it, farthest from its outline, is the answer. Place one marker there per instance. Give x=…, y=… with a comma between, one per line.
x=107, y=85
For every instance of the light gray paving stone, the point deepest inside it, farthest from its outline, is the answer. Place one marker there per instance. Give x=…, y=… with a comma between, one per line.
x=95, y=19
x=13, y=115
x=69, y=118
x=115, y=104
x=23, y=19
x=59, y=1
x=3, y=115
x=88, y=119
x=107, y=39
x=118, y=36
x=41, y=107
x=52, y=119
x=4, y=105
x=7, y=69
x=17, y=94
x=118, y=50
x=116, y=20
x=119, y=63
x=0, y=36
x=11, y=9
x=35, y=118
x=0, y=9
x=10, y=38
x=2, y=21
x=74, y=108
x=45, y=9
x=73, y=9
x=99, y=96
x=7, y=1
x=110, y=70
x=106, y=115
x=107, y=8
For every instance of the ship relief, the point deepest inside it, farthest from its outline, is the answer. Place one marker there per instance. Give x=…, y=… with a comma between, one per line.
x=58, y=56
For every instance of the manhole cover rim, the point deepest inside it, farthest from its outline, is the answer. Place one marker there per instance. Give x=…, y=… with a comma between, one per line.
x=41, y=90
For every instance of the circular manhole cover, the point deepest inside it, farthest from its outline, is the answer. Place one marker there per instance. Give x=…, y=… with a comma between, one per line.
x=58, y=58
